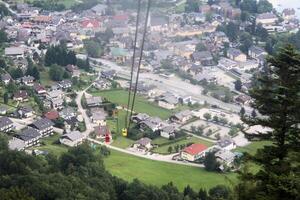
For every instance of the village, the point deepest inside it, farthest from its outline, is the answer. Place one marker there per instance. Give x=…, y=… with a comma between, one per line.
x=65, y=76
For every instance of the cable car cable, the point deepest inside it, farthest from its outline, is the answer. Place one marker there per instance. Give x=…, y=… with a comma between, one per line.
x=133, y=60
x=140, y=60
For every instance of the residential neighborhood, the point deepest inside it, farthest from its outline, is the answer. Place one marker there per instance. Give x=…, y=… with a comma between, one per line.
x=172, y=84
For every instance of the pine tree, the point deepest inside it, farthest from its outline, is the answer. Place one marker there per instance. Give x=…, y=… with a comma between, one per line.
x=277, y=98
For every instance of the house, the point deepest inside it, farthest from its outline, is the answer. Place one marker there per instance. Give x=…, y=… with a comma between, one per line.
x=168, y=132
x=102, y=84
x=16, y=144
x=73, y=70
x=109, y=74
x=65, y=84
x=52, y=115
x=21, y=96
x=153, y=123
x=266, y=19
x=159, y=24
x=225, y=157
x=39, y=89
x=182, y=116
x=17, y=52
x=193, y=152
x=138, y=118
x=226, y=143
x=120, y=55
x=98, y=117
x=57, y=103
x=101, y=132
x=72, y=139
x=6, y=78
x=93, y=101
x=30, y=136
x=236, y=55
x=99, y=9
x=255, y=52
x=143, y=144
x=25, y=112
x=72, y=123
x=204, y=58
x=55, y=94
x=67, y=113
x=243, y=99
x=168, y=101
x=288, y=13
x=6, y=125
x=44, y=126
x=90, y=24
x=227, y=64
x=27, y=80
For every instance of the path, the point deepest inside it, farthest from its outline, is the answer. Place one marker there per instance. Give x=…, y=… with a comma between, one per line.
x=154, y=157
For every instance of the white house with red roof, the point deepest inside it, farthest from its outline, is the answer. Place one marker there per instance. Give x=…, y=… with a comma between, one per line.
x=91, y=24
x=193, y=152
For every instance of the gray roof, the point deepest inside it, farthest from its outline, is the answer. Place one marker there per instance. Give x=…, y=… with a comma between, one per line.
x=143, y=141
x=169, y=129
x=73, y=136
x=183, y=114
x=27, y=78
x=224, y=142
x=5, y=77
x=16, y=144
x=4, y=121
x=256, y=50
x=99, y=115
x=28, y=134
x=266, y=16
x=93, y=100
x=42, y=123
x=225, y=155
x=234, y=52
x=158, y=21
x=99, y=8
x=202, y=55
x=169, y=98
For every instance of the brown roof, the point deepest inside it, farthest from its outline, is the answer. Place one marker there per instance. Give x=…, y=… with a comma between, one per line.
x=52, y=115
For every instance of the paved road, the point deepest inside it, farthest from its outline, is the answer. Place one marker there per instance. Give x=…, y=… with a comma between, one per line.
x=173, y=84
x=155, y=157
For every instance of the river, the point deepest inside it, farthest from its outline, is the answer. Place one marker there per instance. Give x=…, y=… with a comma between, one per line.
x=282, y=4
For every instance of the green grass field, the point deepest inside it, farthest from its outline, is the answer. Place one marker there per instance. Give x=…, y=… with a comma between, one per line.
x=252, y=148
x=159, y=173
x=51, y=145
x=141, y=104
x=164, y=149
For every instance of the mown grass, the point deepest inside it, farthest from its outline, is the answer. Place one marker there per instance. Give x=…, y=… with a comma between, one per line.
x=142, y=105
x=157, y=173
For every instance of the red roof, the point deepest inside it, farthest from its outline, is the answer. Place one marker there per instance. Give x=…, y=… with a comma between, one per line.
x=90, y=23
x=52, y=115
x=195, y=149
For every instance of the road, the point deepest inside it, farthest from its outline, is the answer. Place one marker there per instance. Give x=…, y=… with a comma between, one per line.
x=173, y=84
x=154, y=157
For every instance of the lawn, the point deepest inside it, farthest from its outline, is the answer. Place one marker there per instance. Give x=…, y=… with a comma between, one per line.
x=157, y=173
x=51, y=145
x=141, y=104
x=164, y=148
x=252, y=148
x=45, y=78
